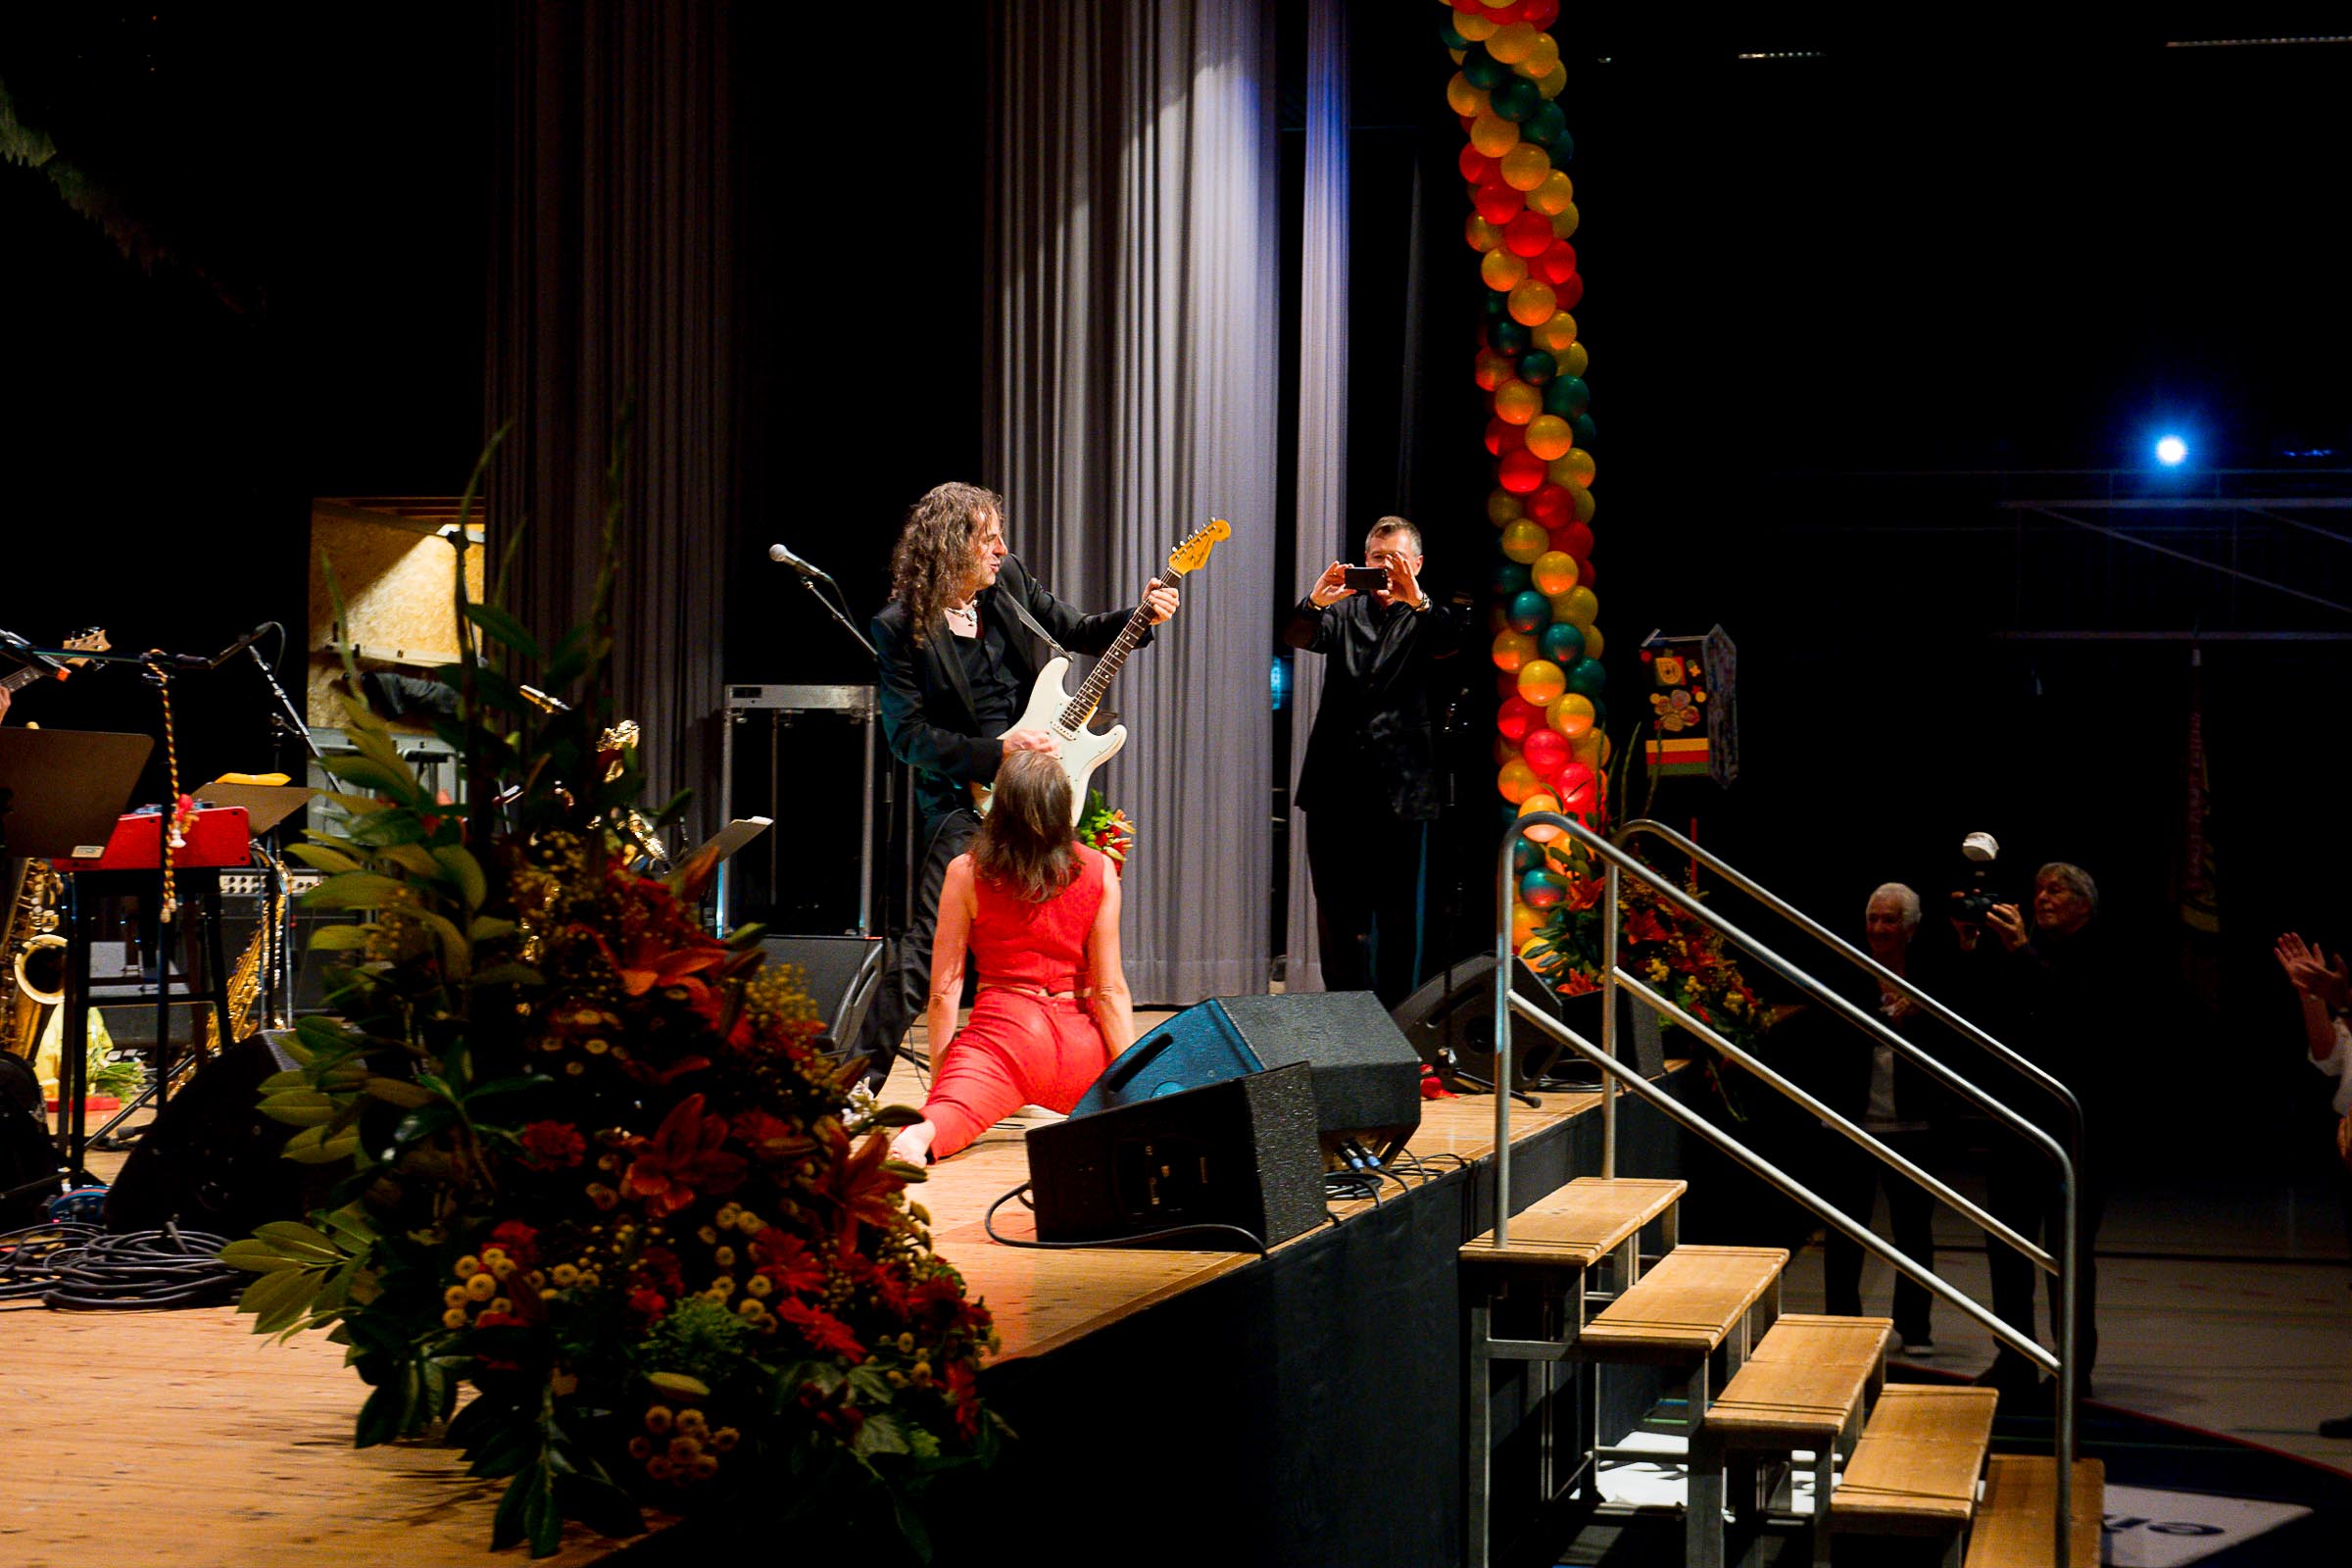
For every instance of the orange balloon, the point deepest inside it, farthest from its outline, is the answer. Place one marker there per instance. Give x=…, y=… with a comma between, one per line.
x=1592, y=642
x=1574, y=359
x=1512, y=649
x=1581, y=606
x=1525, y=166
x=1553, y=573
x=1576, y=460
x=1585, y=503
x=1517, y=781
x=1517, y=403
x=1549, y=437
x=1532, y=301
x=1513, y=42
x=1587, y=747
x=1492, y=135
x=1503, y=271
x=1540, y=801
x=1523, y=541
x=1550, y=87
x=1563, y=221
x=1540, y=682
x=1492, y=369
x=1555, y=337
x=1463, y=98
x=1481, y=235
x=1502, y=508
x=1571, y=714
x=1555, y=195
x=1476, y=26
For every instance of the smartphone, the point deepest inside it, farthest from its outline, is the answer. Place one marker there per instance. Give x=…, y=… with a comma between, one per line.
x=1366, y=579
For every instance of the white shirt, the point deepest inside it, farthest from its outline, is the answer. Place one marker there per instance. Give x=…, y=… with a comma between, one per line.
x=2337, y=1064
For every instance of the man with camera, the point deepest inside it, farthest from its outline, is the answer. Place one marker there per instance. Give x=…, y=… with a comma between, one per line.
x=1370, y=782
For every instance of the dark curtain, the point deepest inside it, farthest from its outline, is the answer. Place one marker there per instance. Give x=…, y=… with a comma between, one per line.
x=615, y=284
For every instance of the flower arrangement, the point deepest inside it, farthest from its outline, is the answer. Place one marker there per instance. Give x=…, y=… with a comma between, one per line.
x=1107, y=829
x=599, y=1172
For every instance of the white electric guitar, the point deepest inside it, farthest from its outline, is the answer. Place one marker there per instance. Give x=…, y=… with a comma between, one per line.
x=1065, y=714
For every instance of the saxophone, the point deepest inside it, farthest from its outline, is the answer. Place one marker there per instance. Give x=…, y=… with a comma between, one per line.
x=34, y=953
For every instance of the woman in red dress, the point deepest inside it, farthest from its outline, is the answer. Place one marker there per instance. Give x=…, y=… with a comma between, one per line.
x=1038, y=913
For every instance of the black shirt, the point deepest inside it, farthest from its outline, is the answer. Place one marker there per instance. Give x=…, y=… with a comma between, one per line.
x=998, y=692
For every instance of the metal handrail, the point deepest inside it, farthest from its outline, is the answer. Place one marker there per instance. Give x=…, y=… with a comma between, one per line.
x=1616, y=860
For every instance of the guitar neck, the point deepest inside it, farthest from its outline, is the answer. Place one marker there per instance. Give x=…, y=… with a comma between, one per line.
x=22, y=678
x=1090, y=693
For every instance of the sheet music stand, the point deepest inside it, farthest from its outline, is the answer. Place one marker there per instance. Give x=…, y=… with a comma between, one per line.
x=266, y=807
x=62, y=791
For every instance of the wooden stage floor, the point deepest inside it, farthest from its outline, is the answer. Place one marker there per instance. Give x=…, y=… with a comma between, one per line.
x=179, y=1440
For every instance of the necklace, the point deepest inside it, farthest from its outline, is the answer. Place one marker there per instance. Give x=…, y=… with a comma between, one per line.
x=963, y=620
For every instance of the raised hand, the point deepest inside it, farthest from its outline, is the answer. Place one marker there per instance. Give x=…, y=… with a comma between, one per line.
x=2313, y=972
x=1331, y=587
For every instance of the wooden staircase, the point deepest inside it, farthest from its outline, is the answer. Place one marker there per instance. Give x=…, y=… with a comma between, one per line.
x=1887, y=1462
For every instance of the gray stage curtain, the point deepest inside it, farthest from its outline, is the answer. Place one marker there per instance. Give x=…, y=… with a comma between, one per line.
x=613, y=283
x=1320, y=527
x=1129, y=397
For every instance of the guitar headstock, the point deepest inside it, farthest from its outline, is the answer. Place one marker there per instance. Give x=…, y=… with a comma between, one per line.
x=1193, y=553
x=91, y=640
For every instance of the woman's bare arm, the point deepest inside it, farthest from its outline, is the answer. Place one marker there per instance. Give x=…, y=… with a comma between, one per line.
x=948, y=944
x=1106, y=975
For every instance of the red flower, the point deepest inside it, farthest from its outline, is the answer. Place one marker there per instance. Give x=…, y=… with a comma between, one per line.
x=647, y=1303
x=964, y=1393
x=822, y=1330
x=518, y=1241
x=859, y=1184
x=658, y=1266
x=770, y=1139
x=682, y=1160
x=787, y=1261
x=553, y=1145
x=938, y=1301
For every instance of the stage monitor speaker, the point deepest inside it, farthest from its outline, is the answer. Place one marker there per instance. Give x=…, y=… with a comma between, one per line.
x=29, y=1170
x=1451, y=1022
x=1368, y=1080
x=1241, y=1152
x=211, y=1160
x=843, y=975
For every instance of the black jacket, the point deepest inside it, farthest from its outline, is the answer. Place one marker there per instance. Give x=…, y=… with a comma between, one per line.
x=926, y=702
x=1375, y=741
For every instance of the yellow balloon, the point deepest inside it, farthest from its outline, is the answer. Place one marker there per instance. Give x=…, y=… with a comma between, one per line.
x=1504, y=752
x=1558, y=472
x=1571, y=714
x=1587, y=747
x=1513, y=42
x=1559, y=601
x=1502, y=508
x=1498, y=621
x=1564, y=221
x=1517, y=781
x=1525, y=166
x=1512, y=649
x=1574, y=361
x=1502, y=269
x=1586, y=505
x=1492, y=134
x=1523, y=541
x=1550, y=87
x=1481, y=235
x=1457, y=56
x=1492, y=369
x=1592, y=643
x=1549, y=437
x=1538, y=65
x=1463, y=98
x=1476, y=28
x=1526, y=922
x=1540, y=801
x=1540, y=682
x=1517, y=403
x=1555, y=335
x=1555, y=195
x=1581, y=606
x=1577, y=462
x=1532, y=301
x=1553, y=573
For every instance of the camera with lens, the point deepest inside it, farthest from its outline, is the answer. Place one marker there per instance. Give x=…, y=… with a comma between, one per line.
x=1975, y=898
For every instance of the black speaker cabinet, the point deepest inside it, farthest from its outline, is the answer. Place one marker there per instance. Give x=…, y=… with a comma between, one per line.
x=842, y=974
x=1451, y=1022
x=211, y=1160
x=1241, y=1152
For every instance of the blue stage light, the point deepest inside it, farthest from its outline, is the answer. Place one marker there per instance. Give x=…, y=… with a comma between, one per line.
x=2171, y=451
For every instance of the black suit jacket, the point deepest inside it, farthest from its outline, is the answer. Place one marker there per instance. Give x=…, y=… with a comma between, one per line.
x=926, y=702
x=1374, y=748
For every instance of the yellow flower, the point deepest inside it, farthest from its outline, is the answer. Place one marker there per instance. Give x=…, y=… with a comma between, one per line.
x=454, y=1318
x=759, y=1284
x=455, y=1296
x=725, y=1438
x=659, y=1468
x=499, y=1303
x=682, y=1449
x=659, y=1418
x=480, y=1286
x=724, y=1258
x=468, y=1266
x=639, y=1448
x=565, y=1275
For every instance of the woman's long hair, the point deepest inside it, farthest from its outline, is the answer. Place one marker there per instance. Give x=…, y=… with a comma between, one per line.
x=934, y=551
x=1024, y=842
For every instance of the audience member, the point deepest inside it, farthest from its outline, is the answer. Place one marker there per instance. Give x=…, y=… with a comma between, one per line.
x=2326, y=988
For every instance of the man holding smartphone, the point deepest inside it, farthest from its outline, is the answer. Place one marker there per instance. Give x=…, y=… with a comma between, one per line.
x=1370, y=783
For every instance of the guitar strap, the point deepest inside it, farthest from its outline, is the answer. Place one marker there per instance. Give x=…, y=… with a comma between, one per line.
x=1020, y=613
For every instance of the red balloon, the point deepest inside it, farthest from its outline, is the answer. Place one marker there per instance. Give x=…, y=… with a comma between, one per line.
x=1506, y=686
x=1529, y=234
x=1567, y=293
x=1477, y=166
x=1578, y=787
x=1498, y=203
x=1519, y=717
x=1541, y=14
x=1546, y=751
x=1557, y=263
x=1503, y=436
x=1550, y=505
x=1577, y=540
x=1584, y=571
x=1514, y=12
x=1520, y=472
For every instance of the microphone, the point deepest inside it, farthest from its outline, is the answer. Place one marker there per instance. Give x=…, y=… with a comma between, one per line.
x=782, y=554
x=239, y=646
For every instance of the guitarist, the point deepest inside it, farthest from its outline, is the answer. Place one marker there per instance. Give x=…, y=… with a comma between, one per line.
x=960, y=641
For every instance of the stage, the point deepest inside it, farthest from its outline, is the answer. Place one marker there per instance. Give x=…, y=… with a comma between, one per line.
x=1171, y=1406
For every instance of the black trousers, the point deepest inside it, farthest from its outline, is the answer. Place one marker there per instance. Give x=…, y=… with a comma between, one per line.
x=906, y=987
x=1853, y=1179
x=1368, y=867
x=2022, y=1191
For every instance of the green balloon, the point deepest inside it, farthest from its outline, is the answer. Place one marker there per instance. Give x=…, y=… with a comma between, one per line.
x=1582, y=425
x=1515, y=99
x=1574, y=396
x=1498, y=303
x=1483, y=71
x=1528, y=610
x=1546, y=127
x=1506, y=336
x=1563, y=644
x=1510, y=579
x=1586, y=676
x=1448, y=36
x=1536, y=368
x=1526, y=855
x=1562, y=147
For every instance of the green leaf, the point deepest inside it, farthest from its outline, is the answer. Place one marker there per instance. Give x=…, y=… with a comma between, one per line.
x=369, y=774
x=387, y=1414
x=259, y=1258
x=358, y=890
x=400, y=1092
x=297, y=1240
x=507, y=629
x=321, y=858
x=489, y=928
x=322, y=1146
x=508, y=974
x=456, y=954
x=278, y=1299
x=506, y=1085
x=299, y=1107
x=415, y=860
x=881, y=1433
x=463, y=870
x=339, y=937
x=597, y=1502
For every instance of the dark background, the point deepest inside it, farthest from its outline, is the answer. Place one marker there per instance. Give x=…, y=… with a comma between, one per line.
x=1837, y=304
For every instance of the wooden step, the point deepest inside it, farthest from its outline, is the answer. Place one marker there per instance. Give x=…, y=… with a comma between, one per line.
x=1579, y=1224
x=2013, y=1522
x=1914, y=1473
x=1801, y=1384
x=1684, y=1306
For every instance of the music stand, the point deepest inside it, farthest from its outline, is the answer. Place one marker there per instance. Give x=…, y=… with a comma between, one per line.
x=62, y=791
x=266, y=807
x=734, y=836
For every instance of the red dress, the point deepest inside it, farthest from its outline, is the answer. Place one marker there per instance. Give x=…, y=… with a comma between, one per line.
x=1023, y=1048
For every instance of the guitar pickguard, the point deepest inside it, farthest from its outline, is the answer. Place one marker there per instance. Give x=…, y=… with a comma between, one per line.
x=1082, y=750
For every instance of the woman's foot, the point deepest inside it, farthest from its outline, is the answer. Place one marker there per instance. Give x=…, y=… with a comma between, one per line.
x=913, y=1146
